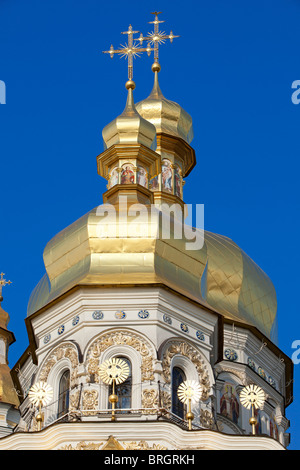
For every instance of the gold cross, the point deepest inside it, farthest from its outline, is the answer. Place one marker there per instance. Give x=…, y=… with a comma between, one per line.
x=130, y=50
x=157, y=37
x=3, y=283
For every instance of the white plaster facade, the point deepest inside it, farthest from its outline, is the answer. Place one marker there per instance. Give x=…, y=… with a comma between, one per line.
x=70, y=336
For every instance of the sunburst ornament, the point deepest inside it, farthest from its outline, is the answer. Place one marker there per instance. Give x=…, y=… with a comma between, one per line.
x=113, y=370
x=40, y=394
x=252, y=395
x=189, y=390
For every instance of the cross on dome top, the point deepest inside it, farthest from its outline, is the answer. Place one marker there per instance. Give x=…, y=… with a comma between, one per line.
x=3, y=283
x=157, y=37
x=129, y=50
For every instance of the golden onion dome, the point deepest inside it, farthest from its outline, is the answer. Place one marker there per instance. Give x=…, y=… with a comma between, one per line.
x=4, y=318
x=219, y=276
x=129, y=127
x=167, y=116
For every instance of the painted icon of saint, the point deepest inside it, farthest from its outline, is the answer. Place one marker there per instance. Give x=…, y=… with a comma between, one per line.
x=166, y=173
x=142, y=177
x=177, y=182
x=127, y=175
x=229, y=405
x=154, y=186
x=113, y=178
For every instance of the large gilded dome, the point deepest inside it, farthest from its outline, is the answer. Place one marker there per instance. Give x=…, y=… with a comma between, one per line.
x=219, y=276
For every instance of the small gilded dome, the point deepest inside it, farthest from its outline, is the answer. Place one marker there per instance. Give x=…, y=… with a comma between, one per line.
x=129, y=127
x=167, y=116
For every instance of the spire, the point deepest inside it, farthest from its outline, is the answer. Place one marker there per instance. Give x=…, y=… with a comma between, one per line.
x=156, y=92
x=174, y=128
x=130, y=109
x=129, y=160
x=129, y=127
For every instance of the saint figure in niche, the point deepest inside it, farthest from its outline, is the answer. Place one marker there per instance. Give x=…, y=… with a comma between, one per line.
x=113, y=178
x=177, y=182
x=229, y=405
x=127, y=176
x=154, y=186
x=166, y=173
x=142, y=177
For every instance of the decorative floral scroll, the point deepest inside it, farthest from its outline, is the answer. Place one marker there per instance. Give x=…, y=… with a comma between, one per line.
x=184, y=349
x=63, y=351
x=120, y=338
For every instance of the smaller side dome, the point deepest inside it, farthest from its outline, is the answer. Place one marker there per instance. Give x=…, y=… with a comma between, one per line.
x=129, y=127
x=167, y=116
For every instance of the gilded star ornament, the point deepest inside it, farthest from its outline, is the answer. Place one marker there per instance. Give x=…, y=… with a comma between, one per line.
x=129, y=50
x=189, y=390
x=114, y=369
x=252, y=395
x=40, y=394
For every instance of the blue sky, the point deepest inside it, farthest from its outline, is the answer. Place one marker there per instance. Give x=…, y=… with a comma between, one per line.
x=232, y=69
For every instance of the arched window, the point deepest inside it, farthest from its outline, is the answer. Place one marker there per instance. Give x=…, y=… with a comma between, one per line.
x=123, y=390
x=178, y=376
x=64, y=394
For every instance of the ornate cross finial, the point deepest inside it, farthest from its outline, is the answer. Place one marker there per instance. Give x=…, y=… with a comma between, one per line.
x=157, y=37
x=3, y=283
x=129, y=50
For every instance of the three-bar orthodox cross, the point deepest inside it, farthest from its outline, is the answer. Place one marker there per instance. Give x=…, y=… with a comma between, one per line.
x=157, y=37
x=129, y=50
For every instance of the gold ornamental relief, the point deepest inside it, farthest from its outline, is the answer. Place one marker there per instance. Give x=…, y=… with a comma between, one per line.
x=74, y=401
x=150, y=399
x=153, y=399
x=206, y=419
x=143, y=445
x=90, y=402
x=120, y=338
x=184, y=349
x=166, y=400
x=82, y=446
x=63, y=351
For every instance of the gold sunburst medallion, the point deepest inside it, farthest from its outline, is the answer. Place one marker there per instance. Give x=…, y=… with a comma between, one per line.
x=40, y=393
x=114, y=369
x=252, y=395
x=189, y=390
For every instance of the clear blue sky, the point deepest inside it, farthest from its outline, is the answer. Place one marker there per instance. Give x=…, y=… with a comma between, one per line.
x=231, y=69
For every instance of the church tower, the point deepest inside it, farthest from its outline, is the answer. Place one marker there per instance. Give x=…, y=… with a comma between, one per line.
x=9, y=402
x=139, y=337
